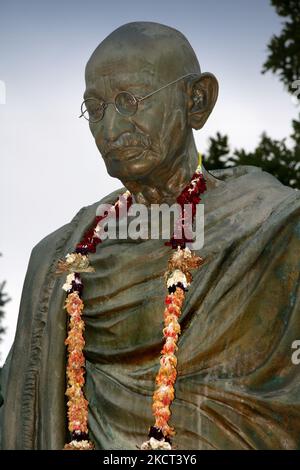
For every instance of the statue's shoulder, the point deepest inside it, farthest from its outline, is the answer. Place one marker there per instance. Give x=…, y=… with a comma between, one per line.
x=251, y=176
x=251, y=172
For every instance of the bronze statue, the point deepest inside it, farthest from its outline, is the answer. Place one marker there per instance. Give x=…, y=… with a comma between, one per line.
x=237, y=387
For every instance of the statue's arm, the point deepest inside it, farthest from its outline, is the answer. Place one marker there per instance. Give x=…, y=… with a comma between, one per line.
x=14, y=370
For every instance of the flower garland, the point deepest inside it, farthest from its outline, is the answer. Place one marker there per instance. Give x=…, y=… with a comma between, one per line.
x=177, y=278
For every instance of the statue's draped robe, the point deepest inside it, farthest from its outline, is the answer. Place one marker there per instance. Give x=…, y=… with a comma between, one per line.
x=237, y=387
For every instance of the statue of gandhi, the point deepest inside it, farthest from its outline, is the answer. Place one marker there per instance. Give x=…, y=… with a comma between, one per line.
x=237, y=387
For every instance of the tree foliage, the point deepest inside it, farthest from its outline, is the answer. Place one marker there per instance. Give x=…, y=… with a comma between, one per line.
x=284, y=49
x=274, y=156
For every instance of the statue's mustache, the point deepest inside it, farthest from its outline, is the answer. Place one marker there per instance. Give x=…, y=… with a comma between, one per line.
x=126, y=140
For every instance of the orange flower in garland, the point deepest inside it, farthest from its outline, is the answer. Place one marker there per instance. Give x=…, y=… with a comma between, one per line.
x=77, y=404
x=164, y=394
x=167, y=373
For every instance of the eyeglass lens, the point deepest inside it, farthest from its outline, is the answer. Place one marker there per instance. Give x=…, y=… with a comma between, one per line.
x=126, y=103
x=93, y=109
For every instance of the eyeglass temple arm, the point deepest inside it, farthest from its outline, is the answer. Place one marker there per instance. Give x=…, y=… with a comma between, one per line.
x=165, y=86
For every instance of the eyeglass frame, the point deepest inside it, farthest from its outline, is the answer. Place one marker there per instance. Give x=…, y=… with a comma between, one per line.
x=136, y=99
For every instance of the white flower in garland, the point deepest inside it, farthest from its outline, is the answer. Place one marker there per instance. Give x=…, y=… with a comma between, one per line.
x=68, y=284
x=154, y=444
x=176, y=277
x=79, y=445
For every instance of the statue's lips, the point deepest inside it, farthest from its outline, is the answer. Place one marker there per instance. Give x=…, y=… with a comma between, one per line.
x=126, y=153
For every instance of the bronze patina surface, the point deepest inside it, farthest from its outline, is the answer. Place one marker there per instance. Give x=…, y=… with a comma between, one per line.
x=237, y=387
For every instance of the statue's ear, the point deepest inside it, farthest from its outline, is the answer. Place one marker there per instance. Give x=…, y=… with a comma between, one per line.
x=203, y=93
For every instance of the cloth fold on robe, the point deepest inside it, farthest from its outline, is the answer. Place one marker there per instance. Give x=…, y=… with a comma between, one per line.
x=237, y=387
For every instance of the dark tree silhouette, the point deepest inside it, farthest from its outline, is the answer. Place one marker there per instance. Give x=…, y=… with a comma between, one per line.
x=284, y=50
x=273, y=156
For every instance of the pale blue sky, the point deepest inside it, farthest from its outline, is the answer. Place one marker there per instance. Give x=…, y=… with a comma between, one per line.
x=44, y=148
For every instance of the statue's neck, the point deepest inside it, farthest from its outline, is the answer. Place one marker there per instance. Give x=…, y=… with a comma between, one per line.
x=164, y=185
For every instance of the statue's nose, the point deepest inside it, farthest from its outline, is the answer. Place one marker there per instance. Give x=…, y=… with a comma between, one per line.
x=113, y=124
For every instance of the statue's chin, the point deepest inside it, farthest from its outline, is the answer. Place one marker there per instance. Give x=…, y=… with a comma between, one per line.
x=131, y=163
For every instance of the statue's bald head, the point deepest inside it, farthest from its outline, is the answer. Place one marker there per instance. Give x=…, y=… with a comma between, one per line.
x=163, y=49
x=143, y=59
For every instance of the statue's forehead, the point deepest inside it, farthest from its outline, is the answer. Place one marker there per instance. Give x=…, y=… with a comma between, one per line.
x=120, y=72
x=119, y=81
x=109, y=63
x=117, y=66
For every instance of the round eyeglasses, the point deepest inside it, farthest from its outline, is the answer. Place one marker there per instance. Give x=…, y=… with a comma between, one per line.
x=126, y=104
